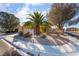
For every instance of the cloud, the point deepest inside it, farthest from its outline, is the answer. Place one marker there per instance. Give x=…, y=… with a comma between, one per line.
x=45, y=12
x=22, y=14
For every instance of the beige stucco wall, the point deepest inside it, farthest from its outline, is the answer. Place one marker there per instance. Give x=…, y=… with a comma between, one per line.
x=24, y=30
x=19, y=28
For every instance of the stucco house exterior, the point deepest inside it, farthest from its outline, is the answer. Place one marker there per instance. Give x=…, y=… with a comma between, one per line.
x=24, y=29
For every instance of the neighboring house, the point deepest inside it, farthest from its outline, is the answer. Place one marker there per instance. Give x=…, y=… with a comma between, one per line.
x=72, y=29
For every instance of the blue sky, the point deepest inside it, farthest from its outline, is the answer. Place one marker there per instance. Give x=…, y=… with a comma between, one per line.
x=21, y=10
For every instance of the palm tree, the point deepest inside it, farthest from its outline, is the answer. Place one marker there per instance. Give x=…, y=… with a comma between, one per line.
x=37, y=20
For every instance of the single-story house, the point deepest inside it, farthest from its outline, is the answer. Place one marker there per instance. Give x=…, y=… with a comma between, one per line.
x=24, y=29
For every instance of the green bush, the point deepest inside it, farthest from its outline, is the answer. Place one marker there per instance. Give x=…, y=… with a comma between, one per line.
x=21, y=33
x=43, y=36
x=27, y=34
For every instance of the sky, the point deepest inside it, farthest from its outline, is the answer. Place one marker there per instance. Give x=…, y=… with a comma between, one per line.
x=21, y=10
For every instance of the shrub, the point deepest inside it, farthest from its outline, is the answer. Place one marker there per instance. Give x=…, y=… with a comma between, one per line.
x=43, y=36
x=21, y=33
x=27, y=34
x=30, y=54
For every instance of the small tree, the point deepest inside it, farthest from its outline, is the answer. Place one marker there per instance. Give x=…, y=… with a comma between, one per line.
x=61, y=13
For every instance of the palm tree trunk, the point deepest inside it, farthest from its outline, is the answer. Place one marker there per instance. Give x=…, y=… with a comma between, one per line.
x=37, y=30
